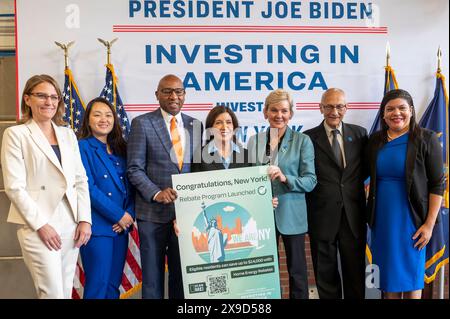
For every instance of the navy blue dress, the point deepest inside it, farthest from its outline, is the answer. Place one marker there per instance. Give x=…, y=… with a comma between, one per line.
x=402, y=267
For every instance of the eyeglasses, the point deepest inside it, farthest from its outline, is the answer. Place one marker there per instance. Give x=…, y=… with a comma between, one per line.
x=337, y=107
x=43, y=97
x=169, y=91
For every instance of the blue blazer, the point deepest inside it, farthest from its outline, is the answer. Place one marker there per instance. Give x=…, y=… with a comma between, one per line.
x=110, y=197
x=150, y=164
x=295, y=158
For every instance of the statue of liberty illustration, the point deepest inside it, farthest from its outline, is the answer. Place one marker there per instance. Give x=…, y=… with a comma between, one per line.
x=216, y=240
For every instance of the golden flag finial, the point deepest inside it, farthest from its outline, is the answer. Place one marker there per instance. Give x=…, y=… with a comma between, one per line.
x=388, y=53
x=108, y=45
x=65, y=48
x=439, y=55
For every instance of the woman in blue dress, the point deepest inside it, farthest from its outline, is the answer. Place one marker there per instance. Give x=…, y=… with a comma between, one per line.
x=103, y=152
x=406, y=187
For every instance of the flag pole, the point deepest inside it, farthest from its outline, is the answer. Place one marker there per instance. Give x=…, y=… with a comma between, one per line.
x=65, y=48
x=108, y=45
x=442, y=270
x=439, y=55
x=388, y=54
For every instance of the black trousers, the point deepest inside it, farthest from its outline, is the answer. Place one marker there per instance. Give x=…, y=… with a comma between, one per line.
x=156, y=242
x=352, y=257
x=294, y=246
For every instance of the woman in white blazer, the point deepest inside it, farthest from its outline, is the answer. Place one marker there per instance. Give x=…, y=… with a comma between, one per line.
x=46, y=182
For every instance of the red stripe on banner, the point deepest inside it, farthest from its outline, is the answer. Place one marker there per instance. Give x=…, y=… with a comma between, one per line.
x=155, y=105
x=281, y=28
x=184, y=105
x=187, y=107
x=244, y=31
x=241, y=26
x=378, y=103
x=150, y=110
x=246, y=28
x=139, y=110
x=352, y=106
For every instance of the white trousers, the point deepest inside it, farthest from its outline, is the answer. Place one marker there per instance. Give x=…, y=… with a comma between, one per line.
x=52, y=271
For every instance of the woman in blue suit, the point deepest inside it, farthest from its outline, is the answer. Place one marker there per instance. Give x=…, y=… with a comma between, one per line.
x=103, y=152
x=291, y=158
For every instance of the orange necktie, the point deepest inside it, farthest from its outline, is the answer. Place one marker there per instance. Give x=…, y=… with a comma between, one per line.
x=176, y=141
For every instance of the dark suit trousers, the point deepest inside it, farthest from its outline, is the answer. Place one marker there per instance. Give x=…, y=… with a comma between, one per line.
x=156, y=241
x=294, y=246
x=352, y=257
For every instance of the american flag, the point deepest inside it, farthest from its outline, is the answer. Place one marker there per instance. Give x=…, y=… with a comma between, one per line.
x=73, y=116
x=111, y=93
x=74, y=106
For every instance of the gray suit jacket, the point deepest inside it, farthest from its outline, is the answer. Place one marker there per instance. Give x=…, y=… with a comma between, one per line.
x=152, y=162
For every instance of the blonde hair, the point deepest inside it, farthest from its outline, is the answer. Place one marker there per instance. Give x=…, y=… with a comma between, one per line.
x=277, y=96
x=29, y=86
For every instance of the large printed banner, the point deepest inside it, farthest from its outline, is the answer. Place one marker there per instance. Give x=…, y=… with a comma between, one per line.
x=234, y=52
x=227, y=234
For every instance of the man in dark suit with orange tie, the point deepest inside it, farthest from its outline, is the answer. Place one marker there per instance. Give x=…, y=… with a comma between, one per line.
x=161, y=143
x=336, y=206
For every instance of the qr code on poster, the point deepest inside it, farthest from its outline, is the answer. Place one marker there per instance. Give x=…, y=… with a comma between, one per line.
x=218, y=284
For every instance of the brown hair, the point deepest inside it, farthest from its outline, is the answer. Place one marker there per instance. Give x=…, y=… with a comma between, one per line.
x=214, y=113
x=115, y=138
x=29, y=86
x=414, y=129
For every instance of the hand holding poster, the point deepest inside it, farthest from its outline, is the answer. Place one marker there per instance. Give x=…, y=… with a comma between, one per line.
x=227, y=234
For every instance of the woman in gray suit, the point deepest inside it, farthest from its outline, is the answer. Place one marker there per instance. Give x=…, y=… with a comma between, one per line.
x=47, y=185
x=290, y=156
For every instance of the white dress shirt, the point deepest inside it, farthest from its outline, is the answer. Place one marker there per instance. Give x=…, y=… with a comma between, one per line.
x=340, y=138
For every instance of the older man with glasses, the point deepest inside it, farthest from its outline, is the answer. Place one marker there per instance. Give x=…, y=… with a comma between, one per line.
x=336, y=207
x=161, y=143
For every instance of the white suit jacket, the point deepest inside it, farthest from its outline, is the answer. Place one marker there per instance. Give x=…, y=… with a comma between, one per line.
x=34, y=179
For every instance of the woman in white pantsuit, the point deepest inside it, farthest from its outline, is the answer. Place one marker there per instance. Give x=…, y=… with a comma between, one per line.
x=46, y=182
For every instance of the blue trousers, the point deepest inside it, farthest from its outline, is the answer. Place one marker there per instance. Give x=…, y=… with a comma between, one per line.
x=103, y=261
